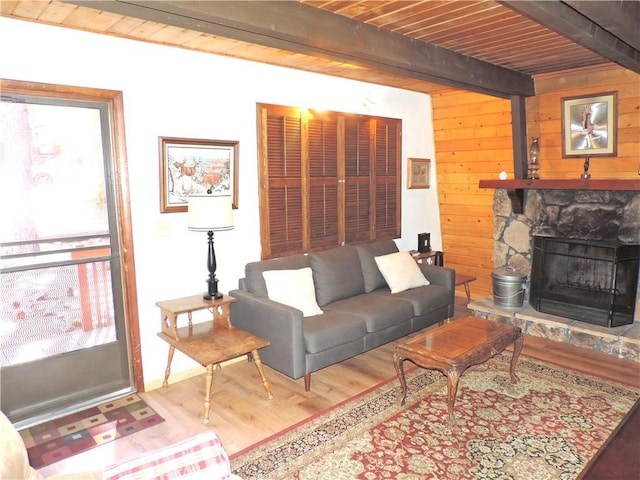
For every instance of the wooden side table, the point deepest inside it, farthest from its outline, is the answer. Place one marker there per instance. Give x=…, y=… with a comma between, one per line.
x=430, y=259
x=465, y=280
x=208, y=343
x=424, y=257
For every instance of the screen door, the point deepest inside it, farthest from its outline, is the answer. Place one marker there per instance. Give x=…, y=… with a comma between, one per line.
x=62, y=333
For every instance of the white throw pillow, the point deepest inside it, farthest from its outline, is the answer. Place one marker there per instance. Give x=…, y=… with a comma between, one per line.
x=294, y=288
x=400, y=271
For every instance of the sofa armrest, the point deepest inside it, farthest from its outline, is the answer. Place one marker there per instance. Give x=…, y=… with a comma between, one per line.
x=280, y=324
x=440, y=276
x=445, y=277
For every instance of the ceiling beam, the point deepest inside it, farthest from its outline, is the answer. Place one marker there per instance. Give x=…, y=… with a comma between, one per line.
x=621, y=18
x=301, y=28
x=568, y=22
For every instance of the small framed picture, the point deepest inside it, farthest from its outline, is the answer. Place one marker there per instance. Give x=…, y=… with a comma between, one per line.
x=190, y=166
x=419, y=173
x=589, y=125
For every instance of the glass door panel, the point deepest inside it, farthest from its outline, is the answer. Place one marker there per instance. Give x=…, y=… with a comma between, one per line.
x=62, y=327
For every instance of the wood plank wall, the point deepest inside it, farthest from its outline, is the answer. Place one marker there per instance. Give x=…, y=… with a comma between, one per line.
x=473, y=141
x=543, y=120
x=472, y=134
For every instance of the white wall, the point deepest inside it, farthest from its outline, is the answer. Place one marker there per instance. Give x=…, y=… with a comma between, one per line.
x=179, y=93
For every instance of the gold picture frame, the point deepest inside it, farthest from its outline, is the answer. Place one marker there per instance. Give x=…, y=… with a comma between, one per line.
x=189, y=165
x=418, y=173
x=589, y=125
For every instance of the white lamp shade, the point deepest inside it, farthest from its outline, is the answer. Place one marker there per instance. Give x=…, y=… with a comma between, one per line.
x=208, y=212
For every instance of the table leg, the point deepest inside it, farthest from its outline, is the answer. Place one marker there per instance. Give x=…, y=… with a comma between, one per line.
x=258, y=362
x=167, y=370
x=208, y=380
x=467, y=291
x=453, y=377
x=517, y=348
x=397, y=363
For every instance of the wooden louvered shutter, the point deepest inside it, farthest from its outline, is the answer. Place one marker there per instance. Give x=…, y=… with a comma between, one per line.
x=281, y=206
x=358, y=200
x=322, y=156
x=326, y=178
x=387, y=178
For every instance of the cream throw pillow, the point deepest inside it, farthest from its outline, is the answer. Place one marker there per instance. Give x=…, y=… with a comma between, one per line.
x=400, y=271
x=294, y=288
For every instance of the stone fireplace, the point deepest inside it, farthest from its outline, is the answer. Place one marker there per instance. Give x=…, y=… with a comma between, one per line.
x=591, y=215
x=600, y=215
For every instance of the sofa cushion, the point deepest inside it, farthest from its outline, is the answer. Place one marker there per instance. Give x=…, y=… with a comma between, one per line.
x=401, y=271
x=330, y=330
x=423, y=299
x=294, y=288
x=198, y=457
x=336, y=274
x=379, y=312
x=253, y=271
x=373, y=279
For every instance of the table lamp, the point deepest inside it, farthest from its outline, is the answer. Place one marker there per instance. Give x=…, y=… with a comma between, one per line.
x=210, y=213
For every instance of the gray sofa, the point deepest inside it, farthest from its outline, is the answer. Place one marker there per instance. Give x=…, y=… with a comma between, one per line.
x=360, y=312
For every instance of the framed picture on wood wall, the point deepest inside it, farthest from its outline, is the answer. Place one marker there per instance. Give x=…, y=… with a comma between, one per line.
x=190, y=166
x=419, y=173
x=589, y=125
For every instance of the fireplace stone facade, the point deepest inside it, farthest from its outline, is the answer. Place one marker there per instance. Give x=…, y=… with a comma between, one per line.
x=583, y=214
x=586, y=214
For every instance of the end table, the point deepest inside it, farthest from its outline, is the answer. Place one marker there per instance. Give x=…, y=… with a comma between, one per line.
x=208, y=343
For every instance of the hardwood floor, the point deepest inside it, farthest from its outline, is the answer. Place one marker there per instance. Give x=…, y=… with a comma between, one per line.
x=242, y=415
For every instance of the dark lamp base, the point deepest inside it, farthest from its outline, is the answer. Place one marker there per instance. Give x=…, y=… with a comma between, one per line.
x=214, y=296
x=212, y=292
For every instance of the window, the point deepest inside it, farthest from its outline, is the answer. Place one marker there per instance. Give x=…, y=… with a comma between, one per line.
x=326, y=178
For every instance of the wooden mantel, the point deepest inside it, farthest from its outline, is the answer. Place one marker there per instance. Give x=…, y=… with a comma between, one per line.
x=515, y=188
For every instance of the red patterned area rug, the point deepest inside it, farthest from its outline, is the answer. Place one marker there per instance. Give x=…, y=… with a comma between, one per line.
x=58, y=439
x=547, y=426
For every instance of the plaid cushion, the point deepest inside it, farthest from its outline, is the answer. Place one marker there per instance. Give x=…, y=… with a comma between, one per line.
x=198, y=457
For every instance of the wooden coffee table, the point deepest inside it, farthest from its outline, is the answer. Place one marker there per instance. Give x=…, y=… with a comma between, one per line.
x=454, y=347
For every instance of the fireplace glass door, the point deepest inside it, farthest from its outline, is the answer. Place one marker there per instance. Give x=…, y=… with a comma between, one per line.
x=590, y=281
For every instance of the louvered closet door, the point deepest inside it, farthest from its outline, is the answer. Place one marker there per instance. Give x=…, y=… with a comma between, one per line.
x=387, y=178
x=326, y=178
x=323, y=182
x=281, y=202
x=358, y=191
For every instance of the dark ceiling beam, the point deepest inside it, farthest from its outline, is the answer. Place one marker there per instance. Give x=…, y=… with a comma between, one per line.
x=621, y=18
x=296, y=27
x=568, y=22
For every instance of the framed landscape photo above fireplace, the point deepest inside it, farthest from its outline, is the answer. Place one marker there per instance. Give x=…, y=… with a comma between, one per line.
x=589, y=125
x=190, y=166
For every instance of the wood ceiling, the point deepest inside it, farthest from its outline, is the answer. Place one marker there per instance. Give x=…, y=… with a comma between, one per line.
x=429, y=46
